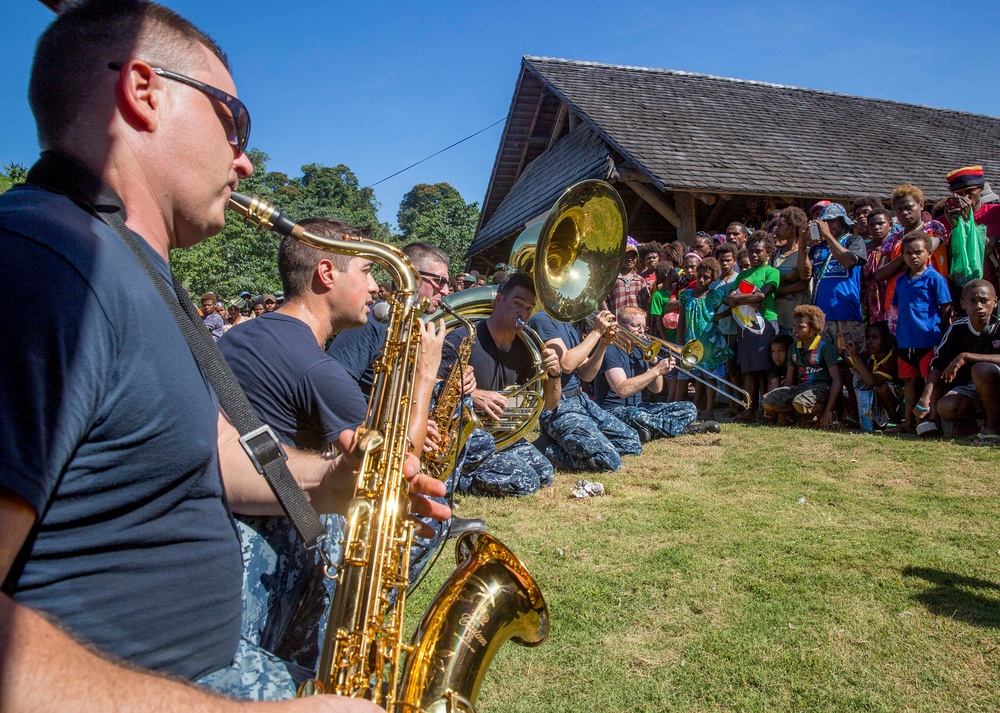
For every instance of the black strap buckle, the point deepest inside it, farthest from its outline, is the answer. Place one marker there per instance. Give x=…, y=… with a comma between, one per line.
x=264, y=430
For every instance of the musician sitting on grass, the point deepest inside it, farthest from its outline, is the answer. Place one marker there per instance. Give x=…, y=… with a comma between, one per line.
x=812, y=382
x=623, y=377
x=500, y=359
x=577, y=433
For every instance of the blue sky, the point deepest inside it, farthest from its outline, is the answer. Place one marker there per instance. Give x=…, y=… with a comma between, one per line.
x=380, y=85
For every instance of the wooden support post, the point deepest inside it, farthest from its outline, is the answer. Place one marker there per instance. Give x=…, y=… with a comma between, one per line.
x=557, y=129
x=714, y=215
x=684, y=203
x=531, y=130
x=656, y=203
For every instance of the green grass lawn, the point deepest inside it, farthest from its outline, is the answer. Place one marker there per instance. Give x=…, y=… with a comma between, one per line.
x=759, y=570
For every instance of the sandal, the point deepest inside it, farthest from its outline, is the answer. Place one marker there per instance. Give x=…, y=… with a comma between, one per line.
x=986, y=439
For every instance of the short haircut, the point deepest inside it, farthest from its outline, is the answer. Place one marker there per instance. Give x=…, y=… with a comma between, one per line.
x=629, y=311
x=881, y=211
x=712, y=265
x=423, y=254
x=723, y=248
x=813, y=315
x=664, y=271
x=907, y=191
x=759, y=236
x=513, y=281
x=784, y=340
x=297, y=261
x=917, y=236
x=974, y=284
x=208, y=296
x=742, y=254
x=737, y=224
x=72, y=56
x=796, y=217
x=873, y=202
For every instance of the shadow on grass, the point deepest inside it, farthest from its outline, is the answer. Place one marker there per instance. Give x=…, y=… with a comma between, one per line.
x=951, y=596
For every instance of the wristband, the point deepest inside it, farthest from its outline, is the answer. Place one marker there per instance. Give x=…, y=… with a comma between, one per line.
x=918, y=407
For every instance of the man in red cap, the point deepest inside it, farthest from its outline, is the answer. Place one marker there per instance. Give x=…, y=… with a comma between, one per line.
x=968, y=188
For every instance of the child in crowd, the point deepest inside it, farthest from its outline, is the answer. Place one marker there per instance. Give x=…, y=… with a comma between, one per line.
x=812, y=379
x=743, y=260
x=753, y=347
x=923, y=302
x=697, y=321
x=967, y=362
x=780, y=346
x=663, y=318
x=876, y=377
x=726, y=255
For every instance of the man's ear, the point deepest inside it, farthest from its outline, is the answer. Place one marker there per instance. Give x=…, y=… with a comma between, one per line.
x=139, y=94
x=326, y=273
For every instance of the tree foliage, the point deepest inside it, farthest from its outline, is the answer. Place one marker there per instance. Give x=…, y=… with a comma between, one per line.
x=242, y=258
x=12, y=173
x=438, y=214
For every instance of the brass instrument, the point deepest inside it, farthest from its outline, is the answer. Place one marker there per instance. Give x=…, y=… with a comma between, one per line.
x=525, y=400
x=363, y=647
x=454, y=418
x=626, y=341
x=693, y=352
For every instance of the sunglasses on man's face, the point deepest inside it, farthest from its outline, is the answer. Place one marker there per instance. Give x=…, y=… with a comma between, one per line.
x=438, y=281
x=239, y=133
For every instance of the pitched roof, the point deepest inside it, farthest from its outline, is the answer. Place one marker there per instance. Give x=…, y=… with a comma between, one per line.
x=695, y=132
x=699, y=132
x=580, y=155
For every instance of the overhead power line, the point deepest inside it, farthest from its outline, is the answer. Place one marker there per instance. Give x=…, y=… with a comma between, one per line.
x=438, y=152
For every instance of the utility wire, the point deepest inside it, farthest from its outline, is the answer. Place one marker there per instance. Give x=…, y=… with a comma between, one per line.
x=438, y=152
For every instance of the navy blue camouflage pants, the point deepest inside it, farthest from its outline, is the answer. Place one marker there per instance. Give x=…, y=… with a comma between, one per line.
x=586, y=437
x=286, y=604
x=518, y=470
x=662, y=419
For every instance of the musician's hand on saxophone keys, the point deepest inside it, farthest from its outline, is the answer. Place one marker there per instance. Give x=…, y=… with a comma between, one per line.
x=468, y=380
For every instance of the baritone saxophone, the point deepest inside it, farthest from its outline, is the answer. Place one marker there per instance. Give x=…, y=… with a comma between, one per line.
x=491, y=596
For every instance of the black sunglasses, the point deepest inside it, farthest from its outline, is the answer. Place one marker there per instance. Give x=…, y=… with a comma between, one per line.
x=439, y=280
x=239, y=133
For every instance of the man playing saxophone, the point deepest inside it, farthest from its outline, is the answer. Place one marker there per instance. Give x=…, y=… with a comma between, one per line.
x=115, y=530
x=500, y=359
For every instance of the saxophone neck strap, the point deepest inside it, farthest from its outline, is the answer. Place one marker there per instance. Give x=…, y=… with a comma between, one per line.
x=63, y=175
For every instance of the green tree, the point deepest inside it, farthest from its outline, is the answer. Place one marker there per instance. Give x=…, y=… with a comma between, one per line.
x=240, y=257
x=12, y=173
x=438, y=214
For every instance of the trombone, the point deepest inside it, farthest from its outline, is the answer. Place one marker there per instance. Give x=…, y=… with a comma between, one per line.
x=688, y=357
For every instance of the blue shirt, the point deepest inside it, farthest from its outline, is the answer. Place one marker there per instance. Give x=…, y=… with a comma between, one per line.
x=298, y=389
x=109, y=430
x=357, y=349
x=919, y=301
x=838, y=290
x=549, y=328
x=615, y=358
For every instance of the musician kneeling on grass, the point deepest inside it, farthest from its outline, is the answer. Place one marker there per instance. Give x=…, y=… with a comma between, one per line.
x=578, y=434
x=623, y=377
x=501, y=359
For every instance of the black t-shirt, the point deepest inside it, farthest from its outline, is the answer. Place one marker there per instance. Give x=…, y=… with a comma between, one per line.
x=357, y=349
x=495, y=369
x=960, y=338
x=299, y=390
x=109, y=430
x=615, y=358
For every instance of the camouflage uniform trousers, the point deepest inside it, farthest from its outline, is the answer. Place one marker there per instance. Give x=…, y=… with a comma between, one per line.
x=518, y=470
x=662, y=419
x=586, y=437
x=286, y=601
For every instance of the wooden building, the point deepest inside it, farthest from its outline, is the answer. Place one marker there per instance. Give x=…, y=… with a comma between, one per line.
x=691, y=152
